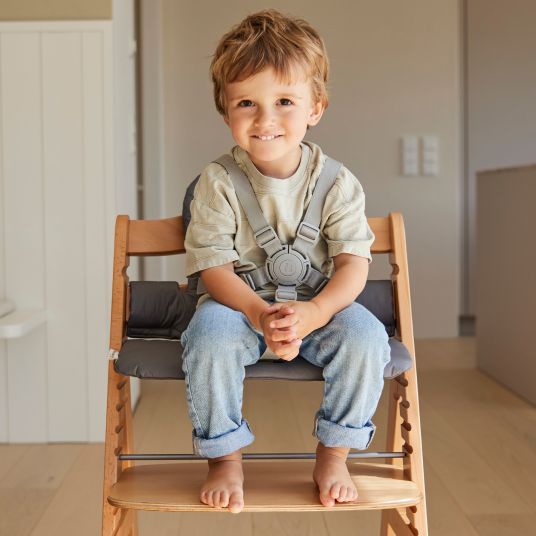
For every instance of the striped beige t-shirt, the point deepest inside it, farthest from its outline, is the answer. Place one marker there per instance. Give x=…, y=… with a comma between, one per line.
x=219, y=231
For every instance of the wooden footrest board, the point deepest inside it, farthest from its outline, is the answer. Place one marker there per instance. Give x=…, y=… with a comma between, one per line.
x=269, y=486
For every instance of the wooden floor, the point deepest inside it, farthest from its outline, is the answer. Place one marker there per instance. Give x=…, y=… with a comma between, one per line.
x=479, y=444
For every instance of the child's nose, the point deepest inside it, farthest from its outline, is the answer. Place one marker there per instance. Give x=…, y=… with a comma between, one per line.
x=263, y=116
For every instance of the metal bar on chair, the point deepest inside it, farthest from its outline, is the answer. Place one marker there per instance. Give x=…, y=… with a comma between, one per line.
x=261, y=456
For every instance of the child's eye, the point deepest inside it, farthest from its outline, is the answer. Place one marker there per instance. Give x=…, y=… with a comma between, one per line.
x=245, y=103
x=285, y=102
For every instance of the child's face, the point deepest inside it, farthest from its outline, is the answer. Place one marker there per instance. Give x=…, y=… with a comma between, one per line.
x=268, y=118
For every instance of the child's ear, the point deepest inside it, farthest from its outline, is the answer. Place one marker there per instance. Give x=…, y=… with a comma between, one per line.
x=316, y=113
x=226, y=119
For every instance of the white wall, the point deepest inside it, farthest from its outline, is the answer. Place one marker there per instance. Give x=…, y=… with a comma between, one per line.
x=57, y=203
x=501, y=86
x=395, y=71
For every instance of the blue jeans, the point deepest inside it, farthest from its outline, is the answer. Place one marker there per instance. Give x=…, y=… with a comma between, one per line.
x=352, y=349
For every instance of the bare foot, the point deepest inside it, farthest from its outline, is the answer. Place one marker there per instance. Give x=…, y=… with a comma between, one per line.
x=332, y=477
x=224, y=484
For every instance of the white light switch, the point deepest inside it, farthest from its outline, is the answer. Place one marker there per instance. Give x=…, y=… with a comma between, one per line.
x=410, y=155
x=430, y=156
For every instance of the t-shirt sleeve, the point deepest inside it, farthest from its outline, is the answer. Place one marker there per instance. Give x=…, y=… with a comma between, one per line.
x=210, y=235
x=345, y=228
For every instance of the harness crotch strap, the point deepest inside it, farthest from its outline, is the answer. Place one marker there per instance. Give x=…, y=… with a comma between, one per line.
x=287, y=266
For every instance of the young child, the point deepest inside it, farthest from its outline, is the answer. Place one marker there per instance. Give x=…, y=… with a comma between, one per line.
x=270, y=73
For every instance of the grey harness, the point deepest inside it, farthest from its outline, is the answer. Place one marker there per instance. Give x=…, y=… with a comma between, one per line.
x=287, y=266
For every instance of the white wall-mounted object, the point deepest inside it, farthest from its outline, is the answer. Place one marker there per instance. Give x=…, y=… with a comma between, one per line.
x=409, y=145
x=6, y=307
x=19, y=323
x=430, y=156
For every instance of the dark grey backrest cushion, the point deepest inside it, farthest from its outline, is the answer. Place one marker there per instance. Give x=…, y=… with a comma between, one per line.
x=160, y=309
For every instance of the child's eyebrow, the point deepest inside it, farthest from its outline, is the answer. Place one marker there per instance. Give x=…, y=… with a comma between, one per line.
x=280, y=96
x=242, y=97
x=292, y=95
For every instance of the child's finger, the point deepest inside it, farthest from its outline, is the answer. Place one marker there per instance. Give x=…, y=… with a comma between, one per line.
x=290, y=350
x=286, y=321
x=286, y=344
x=275, y=307
x=283, y=334
x=281, y=341
x=286, y=310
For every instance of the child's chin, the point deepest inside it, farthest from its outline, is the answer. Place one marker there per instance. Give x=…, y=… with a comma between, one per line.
x=264, y=155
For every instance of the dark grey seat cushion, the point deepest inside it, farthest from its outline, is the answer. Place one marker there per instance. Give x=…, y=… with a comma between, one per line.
x=162, y=359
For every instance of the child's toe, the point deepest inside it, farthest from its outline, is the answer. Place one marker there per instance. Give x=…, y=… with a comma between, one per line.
x=343, y=494
x=335, y=491
x=236, y=502
x=326, y=500
x=224, y=498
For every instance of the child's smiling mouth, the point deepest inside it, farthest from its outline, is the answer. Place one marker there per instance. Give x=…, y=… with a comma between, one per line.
x=267, y=138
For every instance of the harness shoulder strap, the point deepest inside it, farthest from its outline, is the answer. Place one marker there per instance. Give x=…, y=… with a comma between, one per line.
x=309, y=229
x=265, y=235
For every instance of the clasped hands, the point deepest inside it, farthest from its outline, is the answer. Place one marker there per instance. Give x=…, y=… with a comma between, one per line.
x=284, y=326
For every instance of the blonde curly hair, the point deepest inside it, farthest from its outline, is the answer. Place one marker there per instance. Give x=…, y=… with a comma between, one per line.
x=270, y=39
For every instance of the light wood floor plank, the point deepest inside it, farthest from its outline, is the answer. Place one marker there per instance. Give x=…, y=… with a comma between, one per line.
x=267, y=408
x=289, y=524
x=445, y=516
x=484, y=425
x=446, y=354
x=28, y=487
x=66, y=510
x=477, y=487
x=505, y=524
x=10, y=455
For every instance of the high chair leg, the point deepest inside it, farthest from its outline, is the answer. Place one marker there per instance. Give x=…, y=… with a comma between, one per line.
x=404, y=433
x=394, y=441
x=117, y=521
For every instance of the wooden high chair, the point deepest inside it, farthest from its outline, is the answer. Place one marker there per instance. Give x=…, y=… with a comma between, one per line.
x=395, y=486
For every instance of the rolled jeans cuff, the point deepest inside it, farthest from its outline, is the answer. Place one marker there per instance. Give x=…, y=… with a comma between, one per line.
x=331, y=434
x=224, y=444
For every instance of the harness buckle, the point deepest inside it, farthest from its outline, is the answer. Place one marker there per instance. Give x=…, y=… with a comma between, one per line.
x=308, y=232
x=286, y=294
x=265, y=236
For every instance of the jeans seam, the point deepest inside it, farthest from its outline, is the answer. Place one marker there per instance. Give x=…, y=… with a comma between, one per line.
x=185, y=361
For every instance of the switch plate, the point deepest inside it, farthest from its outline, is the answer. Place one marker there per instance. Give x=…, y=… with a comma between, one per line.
x=409, y=148
x=430, y=156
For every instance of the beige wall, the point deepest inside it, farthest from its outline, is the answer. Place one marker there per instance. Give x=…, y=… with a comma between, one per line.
x=501, y=85
x=11, y=10
x=395, y=71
